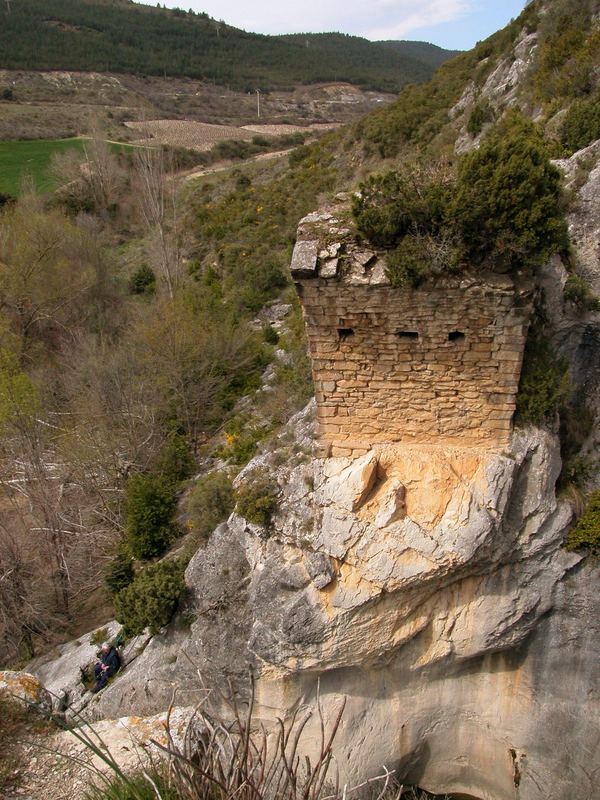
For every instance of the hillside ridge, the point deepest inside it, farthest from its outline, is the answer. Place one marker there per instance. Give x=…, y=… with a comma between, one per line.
x=131, y=38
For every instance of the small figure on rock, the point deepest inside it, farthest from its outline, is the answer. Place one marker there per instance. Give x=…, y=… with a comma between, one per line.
x=109, y=665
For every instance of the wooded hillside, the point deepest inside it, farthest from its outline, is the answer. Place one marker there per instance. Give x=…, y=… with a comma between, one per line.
x=122, y=36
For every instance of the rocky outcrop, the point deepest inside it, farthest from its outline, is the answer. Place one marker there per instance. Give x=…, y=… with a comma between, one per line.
x=424, y=584
x=25, y=689
x=428, y=588
x=66, y=672
x=500, y=91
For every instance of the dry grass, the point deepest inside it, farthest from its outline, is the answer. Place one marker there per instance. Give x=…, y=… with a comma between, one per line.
x=226, y=755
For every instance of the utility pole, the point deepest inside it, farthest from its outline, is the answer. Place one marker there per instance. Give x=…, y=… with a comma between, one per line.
x=258, y=102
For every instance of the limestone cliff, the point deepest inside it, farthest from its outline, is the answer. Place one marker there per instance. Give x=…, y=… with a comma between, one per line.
x=428, y=587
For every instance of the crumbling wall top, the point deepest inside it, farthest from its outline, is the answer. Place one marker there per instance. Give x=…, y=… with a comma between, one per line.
x=436, y=364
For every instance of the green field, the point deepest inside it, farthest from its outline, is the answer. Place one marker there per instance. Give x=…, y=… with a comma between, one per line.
x=20, y=160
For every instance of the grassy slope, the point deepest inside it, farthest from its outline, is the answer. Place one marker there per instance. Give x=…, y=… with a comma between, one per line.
x=91, y=35
x=244, y=230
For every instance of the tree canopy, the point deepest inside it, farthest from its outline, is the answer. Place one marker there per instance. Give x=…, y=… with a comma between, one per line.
x=122, y=36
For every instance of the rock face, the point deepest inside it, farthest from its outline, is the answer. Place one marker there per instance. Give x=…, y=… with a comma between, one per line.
x=62, y=675
x=21, y=687
x=430, y=592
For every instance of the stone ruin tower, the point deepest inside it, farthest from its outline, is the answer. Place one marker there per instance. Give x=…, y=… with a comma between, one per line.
x=435, y=365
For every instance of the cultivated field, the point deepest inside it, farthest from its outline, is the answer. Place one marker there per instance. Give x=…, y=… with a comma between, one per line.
x=20, y=161
x=202, y=136
x=185, y=133
x=284, y=130
x=61, y=104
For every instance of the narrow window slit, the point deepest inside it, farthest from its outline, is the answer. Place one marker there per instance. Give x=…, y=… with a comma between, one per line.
x=456, y=336
x=345, y=333
x=410, y=335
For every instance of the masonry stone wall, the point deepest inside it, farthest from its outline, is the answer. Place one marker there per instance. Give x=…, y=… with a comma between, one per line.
x=440, y=364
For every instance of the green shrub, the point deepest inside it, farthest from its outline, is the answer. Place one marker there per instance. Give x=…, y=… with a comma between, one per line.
x=507, y=205
x=578, y=292
x=99, y=636
x=501, y=212
x=270, y=335
x=544, y=383
x=575, y=472
x=256, y=499
x=411, y=201
x=151, y=599
x=481, y=113
x=149, y=526
x=143, y=281
x=120, y=572
x=132, y=787
x=407, y=265
x=209, y=503
x=581, y=125
x=242, y=439
x=576, y=424
x=585, y=535
x=175, y=462
x=567, y=51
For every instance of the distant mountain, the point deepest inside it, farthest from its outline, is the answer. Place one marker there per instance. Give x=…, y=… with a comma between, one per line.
x=424, y=52
x=123, y=36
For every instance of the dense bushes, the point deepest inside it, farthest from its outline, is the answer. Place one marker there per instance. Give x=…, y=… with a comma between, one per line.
x=567, y=52
x=150, y=508
x=209, y=503
x=151, y=599
x=578, y=292
x=544, y=383
x=242, y=438
x=581, y=125
x=143, y=281
x=395, y=204
x=585, y=535
x=410, y=212
x=501, y=210
x=120, y=572
x=174, y=462
x=507, y=206
x=256, y=499
x=245, y=235
x=481, y=113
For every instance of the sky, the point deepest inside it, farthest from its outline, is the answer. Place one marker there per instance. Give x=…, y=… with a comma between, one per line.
x=455, y=24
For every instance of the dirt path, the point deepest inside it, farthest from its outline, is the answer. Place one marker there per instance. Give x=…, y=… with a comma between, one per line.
x=230, y=164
